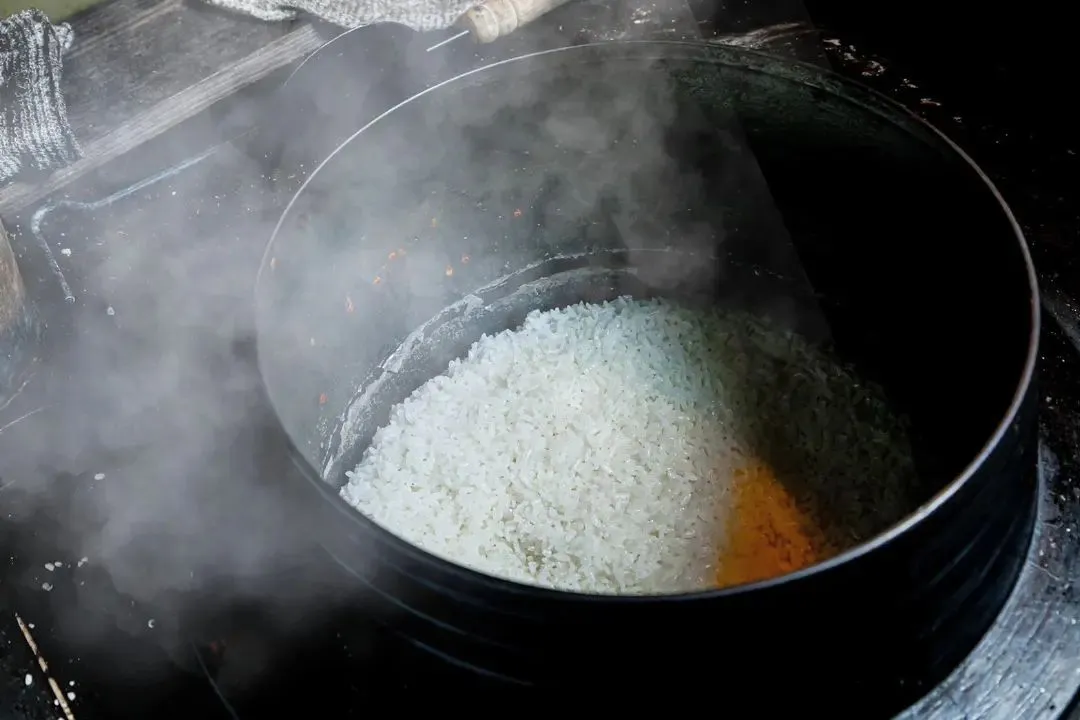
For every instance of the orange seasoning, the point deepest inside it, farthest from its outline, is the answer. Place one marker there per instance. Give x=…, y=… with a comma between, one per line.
x=768, y=534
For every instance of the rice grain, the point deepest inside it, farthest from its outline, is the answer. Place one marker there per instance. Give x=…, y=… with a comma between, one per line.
x=594, y=448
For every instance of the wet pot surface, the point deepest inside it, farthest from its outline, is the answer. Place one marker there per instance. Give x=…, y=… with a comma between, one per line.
x=705, y=174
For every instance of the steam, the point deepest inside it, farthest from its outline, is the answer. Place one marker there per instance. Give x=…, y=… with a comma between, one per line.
x=464, y=198
x=161, y=337
x=153, y=456
x=160, y=317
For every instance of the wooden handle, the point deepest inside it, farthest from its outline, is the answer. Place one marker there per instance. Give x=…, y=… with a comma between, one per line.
x=493, y=19
x=12, y=292
x=19, y=329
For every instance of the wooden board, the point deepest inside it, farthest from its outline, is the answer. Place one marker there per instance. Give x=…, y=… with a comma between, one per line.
x=140, y=67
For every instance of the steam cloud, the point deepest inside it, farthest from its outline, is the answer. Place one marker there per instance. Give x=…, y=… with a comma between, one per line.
x=161, y=337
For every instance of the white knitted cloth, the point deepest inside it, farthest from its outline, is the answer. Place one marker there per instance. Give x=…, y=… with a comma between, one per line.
x=420, y=15
x=34, y=130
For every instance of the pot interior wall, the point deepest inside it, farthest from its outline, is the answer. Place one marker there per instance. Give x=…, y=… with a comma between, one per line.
x=708, y=174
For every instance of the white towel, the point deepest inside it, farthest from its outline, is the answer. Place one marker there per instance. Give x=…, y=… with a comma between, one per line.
x=34, y=130
x=420, y=15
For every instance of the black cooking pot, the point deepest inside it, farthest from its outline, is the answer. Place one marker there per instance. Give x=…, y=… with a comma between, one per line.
x=671, y=169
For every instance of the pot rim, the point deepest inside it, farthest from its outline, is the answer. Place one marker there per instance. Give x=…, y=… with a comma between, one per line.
x=797, y=71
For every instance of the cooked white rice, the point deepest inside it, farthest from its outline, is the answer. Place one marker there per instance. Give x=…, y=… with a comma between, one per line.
x=591, y=449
